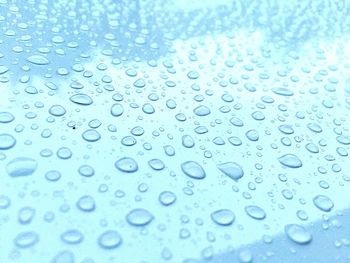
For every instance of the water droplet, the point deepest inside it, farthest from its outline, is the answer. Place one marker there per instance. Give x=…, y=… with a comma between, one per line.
x=343, y=139
x=252, y=135
x=236, y=122
x=139, y=217
x=64, y=153
x=286, y=129
x=26, y=239
x=3, y=69
x=245, y=256
x=57, y=110
x=290, y=160
x=169, y=150
x=81, y=99
x=298, y=234
x=38, y=60
x=156, y=164
x=95, y=123
x=323, y=203
x=148, y=108
x=201, y=110
x=128, y=141
x=126, y=164
x=231, y=169
x=187, y=141
x=235, y=141
x=86, y=203
x=314, y=127
x=91, y=135
x=53, y=175
x=110, y=239
x=283, y=91
x=193, y=74
x=7, y=141
x=255, y=212
x=223, y=217
x=26, y=215
x=117, y=110
x=137, y=131
x=6, y=117
x=167, y=198
x=193, y=170
x=21, y=166
x=72, y=236
x=86, y=170
x=258, y=115
x=312, y=148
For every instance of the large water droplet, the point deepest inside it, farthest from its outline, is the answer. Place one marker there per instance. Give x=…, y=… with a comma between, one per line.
x=91, y=135
x=81, y=99
x=290, y=160
x=255, y=212
x=298, y=234
x=283, y=91
x=21, y=166
x=139, y=217
x=117, y=109
x=223, y=217
x=167, y=198
x=126, y=164
x=26, y=239
x=202, y=110
x=110, y=239
x=231, y=169
x=57, y=110
x=156, y=164
x=7, y=141
x=38, y=60
x=72, y=236
x=323, y=203
x=86, y=203
x=6, y=117
x=193, y=170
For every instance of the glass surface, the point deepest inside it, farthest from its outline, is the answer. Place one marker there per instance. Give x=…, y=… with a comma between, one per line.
x=174, y=131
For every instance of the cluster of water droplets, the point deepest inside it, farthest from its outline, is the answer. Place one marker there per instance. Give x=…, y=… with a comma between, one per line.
x=114, y=134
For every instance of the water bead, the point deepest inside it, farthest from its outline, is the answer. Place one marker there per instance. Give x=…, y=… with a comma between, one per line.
x=127, y=165
x=21, y=166
x=109, y=239
x=231, y=169
x=290, y=160
x=223, y=217
x=7, y=141
x=298, y=234
x=139, y=217
x=193, y=170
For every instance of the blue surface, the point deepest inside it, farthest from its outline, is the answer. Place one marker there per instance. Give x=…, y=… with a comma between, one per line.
x=174, y=131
